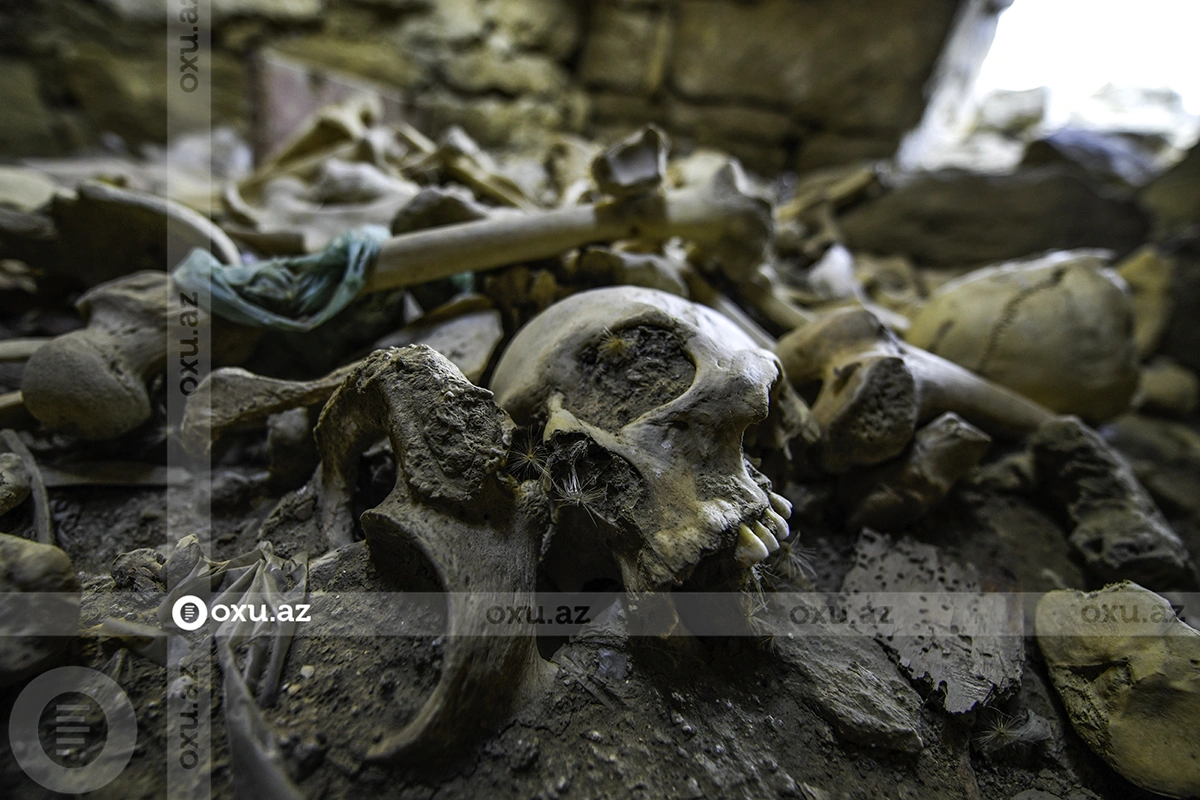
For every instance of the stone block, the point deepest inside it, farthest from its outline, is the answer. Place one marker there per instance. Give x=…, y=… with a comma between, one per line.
x=26, y=125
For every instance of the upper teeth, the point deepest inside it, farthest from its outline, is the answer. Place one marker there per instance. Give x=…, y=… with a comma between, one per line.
x=781, y=505
x=758, y=538
x=776, y=524
x=765, y=536
x=750, y=549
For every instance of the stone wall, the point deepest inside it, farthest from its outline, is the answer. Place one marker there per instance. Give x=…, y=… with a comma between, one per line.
x=780, y=83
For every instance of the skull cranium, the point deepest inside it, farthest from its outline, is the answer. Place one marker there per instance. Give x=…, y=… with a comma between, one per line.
x=645, y=398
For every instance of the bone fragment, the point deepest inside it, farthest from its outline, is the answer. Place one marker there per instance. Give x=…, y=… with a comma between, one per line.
x=875, y=390
x=21, y=349
x=40, y=592
x=13, y=413
x=112, y=473
x=1164, y=387
x=463, y=160
x=92, y=382
x=891, y=495
x=634, y=166
x=42, y=523
x=1128, y=681
x=651, y=270
x=437, y=205
x=450, y=518
x=704, y=292
x=764, y=292
x=1150, y=275
x=15, y=481
x=240, y=399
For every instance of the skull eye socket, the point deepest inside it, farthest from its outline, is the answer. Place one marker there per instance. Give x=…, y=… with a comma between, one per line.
x=626, y=372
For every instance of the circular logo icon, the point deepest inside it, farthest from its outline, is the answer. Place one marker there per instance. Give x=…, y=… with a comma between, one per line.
x=72, y=727
x=189, y=612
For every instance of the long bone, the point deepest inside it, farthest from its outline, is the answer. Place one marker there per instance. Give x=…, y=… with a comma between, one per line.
x=730, y=226
x=239, y=399
x=875, y=390
x=451, y=517
x=92, y=382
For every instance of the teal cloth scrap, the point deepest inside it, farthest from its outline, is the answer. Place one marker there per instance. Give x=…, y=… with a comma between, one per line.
x=295, y=293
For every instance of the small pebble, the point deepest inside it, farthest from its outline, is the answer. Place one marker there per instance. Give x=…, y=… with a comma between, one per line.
x=307, y=671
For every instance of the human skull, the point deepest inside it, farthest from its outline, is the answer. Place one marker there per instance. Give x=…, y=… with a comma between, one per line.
x=1059, y=329
x=645, y=398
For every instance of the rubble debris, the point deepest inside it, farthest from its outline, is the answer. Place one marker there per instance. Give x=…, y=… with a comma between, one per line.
x=857, y=688
x=999, y=735
x=970, y=651
x=139, y=570
x=936, y=219
x=1116, y=528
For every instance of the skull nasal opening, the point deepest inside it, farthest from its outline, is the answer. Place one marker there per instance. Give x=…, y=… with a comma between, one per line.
x=626, y=372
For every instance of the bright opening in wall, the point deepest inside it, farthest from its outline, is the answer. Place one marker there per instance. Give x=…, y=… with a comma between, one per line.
x=1129, y=68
